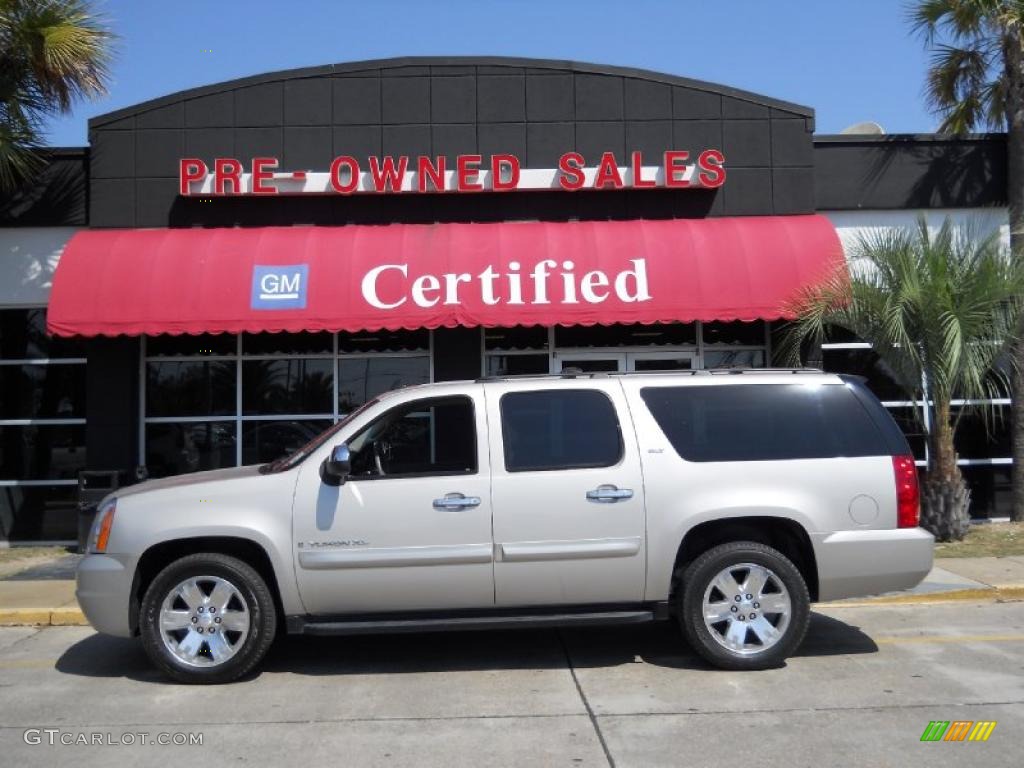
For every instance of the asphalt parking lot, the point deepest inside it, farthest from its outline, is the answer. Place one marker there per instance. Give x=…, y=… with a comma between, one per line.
x=861, y=692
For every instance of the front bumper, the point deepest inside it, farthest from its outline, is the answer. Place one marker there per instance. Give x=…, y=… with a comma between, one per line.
x=862, y=563
x=104, y=592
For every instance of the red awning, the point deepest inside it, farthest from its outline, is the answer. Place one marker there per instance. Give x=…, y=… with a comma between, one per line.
x=152, y=281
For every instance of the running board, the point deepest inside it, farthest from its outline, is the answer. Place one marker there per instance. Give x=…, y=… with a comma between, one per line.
x=306, y=626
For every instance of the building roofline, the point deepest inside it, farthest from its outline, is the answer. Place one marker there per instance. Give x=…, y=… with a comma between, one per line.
x=906, y=138
x=448, y=61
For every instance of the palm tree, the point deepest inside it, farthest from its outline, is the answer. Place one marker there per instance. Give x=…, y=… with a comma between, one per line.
x=940, y=308
x=976, y=80
x=52, y=53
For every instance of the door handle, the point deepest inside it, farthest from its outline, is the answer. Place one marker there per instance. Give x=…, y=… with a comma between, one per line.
x=609, y=494
x=456, y=501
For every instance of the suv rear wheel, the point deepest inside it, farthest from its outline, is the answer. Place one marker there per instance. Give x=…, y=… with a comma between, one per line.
x=207, y=618
x=743, y=605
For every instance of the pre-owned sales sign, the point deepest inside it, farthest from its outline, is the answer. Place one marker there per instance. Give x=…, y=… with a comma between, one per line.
x=675, y=169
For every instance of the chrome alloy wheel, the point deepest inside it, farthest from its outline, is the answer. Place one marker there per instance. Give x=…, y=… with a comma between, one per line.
x=747, y=608
x=204, y=621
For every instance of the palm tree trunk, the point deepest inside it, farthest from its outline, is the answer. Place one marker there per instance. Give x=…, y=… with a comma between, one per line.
x=1014, y=59
x=945, y=498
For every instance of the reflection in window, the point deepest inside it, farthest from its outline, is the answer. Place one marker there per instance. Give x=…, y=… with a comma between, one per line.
x=41, y=451
x=287, y=386
x=734, y=358
x=190, y=388
x=42, y=391
x=173, y=449
x=265, y=441
x=38, y=513
x=362, y=379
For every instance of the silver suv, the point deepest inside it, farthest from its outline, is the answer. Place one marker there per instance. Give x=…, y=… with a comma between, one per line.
x=725, y=500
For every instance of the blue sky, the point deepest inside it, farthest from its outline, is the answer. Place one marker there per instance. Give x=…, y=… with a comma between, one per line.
x=851, y=60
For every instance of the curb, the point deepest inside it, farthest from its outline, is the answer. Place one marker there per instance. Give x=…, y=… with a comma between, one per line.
x=992, y=594
x=43, y=617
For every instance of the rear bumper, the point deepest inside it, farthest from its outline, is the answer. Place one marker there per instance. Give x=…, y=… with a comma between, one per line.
x=103, y=589
x=861, y=563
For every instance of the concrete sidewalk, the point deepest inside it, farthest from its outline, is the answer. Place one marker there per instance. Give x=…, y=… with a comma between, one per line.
x=51, y=601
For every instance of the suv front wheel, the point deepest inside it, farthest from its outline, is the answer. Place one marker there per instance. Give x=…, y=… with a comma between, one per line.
x=207, y=618
x=743, y=605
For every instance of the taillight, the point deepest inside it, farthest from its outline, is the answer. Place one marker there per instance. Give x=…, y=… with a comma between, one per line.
x=908, y=495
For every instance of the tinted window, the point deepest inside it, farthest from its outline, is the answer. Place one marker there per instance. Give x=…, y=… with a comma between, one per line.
x=424, y=437
x=764, y=422
x=559, y=429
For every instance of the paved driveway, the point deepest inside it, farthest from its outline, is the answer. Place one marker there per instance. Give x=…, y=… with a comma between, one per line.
x=862, y=690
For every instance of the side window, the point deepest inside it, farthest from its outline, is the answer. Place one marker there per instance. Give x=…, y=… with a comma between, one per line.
x=559, y=429
x=424, y=437
x=764, y=422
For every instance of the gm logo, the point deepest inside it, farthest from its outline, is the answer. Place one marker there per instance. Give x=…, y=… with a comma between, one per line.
x=279, y=287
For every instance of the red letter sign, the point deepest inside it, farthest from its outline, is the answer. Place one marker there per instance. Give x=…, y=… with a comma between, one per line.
x=385, y=175
x=675, y=166
x=498, y=162
x=570, y=165
x=337, y=164
x=226, y=169
x=712, y=168
x=467, y=168
x=190, y=169
x=262, y=169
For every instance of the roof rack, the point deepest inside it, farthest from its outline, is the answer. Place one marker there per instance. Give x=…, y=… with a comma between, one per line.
x=580, y=374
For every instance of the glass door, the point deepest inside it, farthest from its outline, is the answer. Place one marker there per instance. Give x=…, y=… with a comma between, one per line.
x=666, y=360
x=589, y=362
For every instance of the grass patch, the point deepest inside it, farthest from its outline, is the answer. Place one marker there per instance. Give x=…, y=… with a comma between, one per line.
x=14, y=554
x=989, y=540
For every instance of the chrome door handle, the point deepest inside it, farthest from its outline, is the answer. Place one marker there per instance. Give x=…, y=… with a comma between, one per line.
x=609, y=494
x=457, y=501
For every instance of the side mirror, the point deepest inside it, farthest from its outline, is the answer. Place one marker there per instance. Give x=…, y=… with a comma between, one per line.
x=336, y=467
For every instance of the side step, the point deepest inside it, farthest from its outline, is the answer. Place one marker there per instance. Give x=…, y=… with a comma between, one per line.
x=306, y=626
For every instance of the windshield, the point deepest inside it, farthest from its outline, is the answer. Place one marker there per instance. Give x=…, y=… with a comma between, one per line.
x=291, y=460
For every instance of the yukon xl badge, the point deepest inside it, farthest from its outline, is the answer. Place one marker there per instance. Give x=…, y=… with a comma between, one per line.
x=336, y=543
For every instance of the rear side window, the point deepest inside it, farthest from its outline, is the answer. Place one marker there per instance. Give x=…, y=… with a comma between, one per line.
x=559, y=429
x=764, y=422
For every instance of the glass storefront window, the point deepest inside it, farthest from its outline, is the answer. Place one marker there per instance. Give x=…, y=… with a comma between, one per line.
x=287, y=386
x=41, y=451
x=38, y=513
x=42, y=391
x=740, y=333
x=734, y=358
x=173, y=449
x=866, y=363
x=519, y=337
x=190, y=388
x=516, y=365
x=635, y=335
x=208, y=399
x=265, y=441
x=42, y=429
x=23, y=337
x=364, y=378
x=186, y=345
x=384, y=341
x=287, y=344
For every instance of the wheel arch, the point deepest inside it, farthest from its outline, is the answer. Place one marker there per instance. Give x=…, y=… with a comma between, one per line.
x=781, y=533
x=160, y=555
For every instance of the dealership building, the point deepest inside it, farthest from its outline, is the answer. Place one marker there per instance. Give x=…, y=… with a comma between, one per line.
x=225, y=271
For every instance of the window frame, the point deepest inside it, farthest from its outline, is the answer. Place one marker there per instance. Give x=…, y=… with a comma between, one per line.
x=424, y=402
x=620, y=457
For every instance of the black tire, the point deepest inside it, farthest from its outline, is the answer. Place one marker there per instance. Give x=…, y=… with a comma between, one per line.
x=251, y=586
x=696, y=579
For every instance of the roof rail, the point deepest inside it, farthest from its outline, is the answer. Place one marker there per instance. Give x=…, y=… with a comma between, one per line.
x=579, y=374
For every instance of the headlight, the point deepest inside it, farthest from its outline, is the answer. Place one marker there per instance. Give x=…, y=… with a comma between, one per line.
x=100, y=533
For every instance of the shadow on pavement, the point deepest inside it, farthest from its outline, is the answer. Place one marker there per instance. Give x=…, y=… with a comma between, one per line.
x=657, y=644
